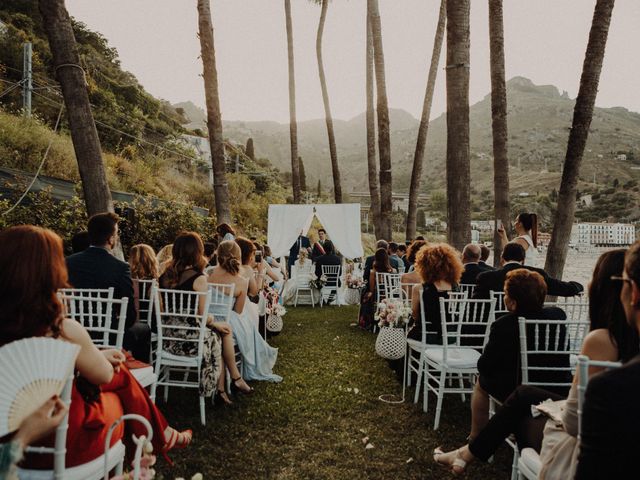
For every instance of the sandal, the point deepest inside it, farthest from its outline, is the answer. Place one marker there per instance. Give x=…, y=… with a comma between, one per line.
x=222, y=395
x=236, y=388
x=179, y=439
x=457, y=467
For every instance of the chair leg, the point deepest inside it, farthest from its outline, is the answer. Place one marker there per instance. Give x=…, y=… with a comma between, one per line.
x=416, y=396
x=166, y=393
x=461, y=383
x=119, y=467
x=202, y=419
x=443, y=377
x=152, y=392
x=514, y=464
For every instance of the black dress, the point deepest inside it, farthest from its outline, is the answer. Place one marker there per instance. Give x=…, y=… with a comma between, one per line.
x=431, y=300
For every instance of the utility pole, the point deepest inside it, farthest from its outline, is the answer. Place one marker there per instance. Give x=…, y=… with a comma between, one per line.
x=27, y=83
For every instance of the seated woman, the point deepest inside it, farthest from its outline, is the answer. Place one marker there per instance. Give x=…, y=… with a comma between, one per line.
x=440, y=269
x=144, y=266
x=32, y=270
x=610, y=338
x=185, y=272
x=258, y=356
x=412, y=276
x=368, y=300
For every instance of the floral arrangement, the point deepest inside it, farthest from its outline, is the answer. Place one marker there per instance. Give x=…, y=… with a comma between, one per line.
x=354, y=281
x=147, y=461
x=392, y=312
x=273, y=306
x=319, y=283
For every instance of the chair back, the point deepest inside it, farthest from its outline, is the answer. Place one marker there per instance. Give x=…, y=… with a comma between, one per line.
x=468, y=288
x=103, y=316
x=145, y=300
x=178, y=320
x=332, y=273
x=577, y=310
x=584, y=364
x=546, y=347
x=390, y=283
x=404, y=292
x=465, y=322
x=221, y=301
x=498, y=297
x=304, y=274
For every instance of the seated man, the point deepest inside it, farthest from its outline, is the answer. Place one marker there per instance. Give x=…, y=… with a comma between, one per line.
x=395, y=261
x=513, y=257
x=471, y=261
x=484, y=255
x=96, y=267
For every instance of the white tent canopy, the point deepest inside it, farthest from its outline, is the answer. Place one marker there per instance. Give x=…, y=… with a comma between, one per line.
x=342, y=222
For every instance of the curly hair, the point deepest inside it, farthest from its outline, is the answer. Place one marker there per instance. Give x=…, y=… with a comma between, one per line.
x=187, y=252
x=527, y=288
x=413, y=250
x=32, y=270
x=229, y=255
x=143, y=262
x=439, y=261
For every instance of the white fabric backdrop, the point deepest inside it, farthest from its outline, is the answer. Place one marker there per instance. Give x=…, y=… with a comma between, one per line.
x=285, y=224
x=342, y=222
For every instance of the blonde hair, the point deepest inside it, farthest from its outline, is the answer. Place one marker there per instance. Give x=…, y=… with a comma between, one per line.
x=229, y=256
x=165, y=254
x=143, y=262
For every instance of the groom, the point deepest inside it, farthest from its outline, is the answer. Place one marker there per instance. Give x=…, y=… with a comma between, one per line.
x=301, y=242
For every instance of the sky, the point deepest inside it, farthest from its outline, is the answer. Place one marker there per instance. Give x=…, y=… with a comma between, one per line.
x=545, y=41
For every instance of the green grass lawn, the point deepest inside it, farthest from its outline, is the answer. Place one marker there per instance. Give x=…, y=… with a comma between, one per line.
x=312, y=425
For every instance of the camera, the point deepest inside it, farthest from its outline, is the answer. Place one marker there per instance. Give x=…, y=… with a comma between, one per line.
x=258, y=257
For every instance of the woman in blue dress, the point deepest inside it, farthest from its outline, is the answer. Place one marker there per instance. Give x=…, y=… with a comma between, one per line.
x=258, y=356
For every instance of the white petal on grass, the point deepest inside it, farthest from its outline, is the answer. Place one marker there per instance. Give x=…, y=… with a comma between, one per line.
x=369, y=446
x=365, y=440
x=409, y=460
x=356, y=391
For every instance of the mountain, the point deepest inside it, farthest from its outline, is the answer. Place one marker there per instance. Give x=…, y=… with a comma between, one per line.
x=539, y=118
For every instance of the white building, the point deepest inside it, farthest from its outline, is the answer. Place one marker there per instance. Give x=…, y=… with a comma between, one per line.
x=200, y=145
x=603, y=234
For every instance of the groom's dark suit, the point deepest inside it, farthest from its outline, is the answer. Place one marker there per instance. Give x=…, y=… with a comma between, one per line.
x=97, y=268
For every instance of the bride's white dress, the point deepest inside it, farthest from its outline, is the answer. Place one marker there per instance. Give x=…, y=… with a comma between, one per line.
x=258, y=356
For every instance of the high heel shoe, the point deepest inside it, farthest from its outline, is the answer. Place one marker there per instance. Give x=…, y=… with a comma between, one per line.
x=235, y=388
x=176, y=440
x=457, y=466
x=222, y=395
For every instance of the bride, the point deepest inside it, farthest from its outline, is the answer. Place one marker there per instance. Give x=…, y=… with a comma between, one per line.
x=258, y=356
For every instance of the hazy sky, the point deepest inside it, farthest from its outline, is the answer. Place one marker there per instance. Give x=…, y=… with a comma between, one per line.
x=545, y=41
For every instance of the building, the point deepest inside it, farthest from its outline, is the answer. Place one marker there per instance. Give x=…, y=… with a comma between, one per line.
x=603, y=234
x=400, y=200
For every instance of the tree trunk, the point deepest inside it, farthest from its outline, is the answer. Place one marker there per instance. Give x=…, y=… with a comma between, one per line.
x=384, y=142
x=458, y=166
x=337, y=185
x=582, y=116
x=372, y=166
x=421, y=143
x=499, y=125
x=214, y=117
x=84, y=135
x=293, y=124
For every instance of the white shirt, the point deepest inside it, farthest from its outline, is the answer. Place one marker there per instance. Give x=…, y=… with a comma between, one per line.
x=531, y=251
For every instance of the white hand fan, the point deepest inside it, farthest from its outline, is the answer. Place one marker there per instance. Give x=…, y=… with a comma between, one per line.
x=32, y=370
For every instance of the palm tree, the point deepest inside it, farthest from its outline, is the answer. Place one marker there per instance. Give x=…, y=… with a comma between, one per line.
x=214, y=117
x=372, y=166
x=384, y=142
x=418, y=157
x=293, y=123
x=84, y=135
x=582, y=116
x=337, y=185
x=498, y=123
x=458, y=166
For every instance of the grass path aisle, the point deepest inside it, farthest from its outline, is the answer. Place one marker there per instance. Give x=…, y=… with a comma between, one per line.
x=312, y=425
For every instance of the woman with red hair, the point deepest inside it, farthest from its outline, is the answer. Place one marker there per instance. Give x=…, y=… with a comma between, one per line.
x=32, y=271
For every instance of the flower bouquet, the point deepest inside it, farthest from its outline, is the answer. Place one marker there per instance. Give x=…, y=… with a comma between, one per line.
x=392, y=316
x=319, y=283
x=354, y=283
x=274, y=311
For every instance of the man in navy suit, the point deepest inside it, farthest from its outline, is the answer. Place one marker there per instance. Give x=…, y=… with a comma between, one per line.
x=96, y=267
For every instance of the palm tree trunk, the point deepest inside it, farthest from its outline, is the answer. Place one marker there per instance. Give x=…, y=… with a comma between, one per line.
x=337, y=185
x=293, y=123
x=384, y=142
x=84, y=135
x=421, y=143
x=374, y=191
x=214, y=117
x=458, y=153
x=498, y=124
x=582, y=116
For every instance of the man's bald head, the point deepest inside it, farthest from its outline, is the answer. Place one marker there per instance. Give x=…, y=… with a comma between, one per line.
x=471, y=253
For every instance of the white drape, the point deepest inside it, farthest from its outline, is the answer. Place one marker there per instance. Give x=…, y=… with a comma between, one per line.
x=342, y=222
x=285, y=224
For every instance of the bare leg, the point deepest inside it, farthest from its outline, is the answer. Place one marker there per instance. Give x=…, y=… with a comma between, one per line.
x=229, y=359
x=479, y=410
x=222, y=380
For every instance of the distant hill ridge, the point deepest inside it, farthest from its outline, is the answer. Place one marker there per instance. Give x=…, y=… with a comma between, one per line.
x=539, y=119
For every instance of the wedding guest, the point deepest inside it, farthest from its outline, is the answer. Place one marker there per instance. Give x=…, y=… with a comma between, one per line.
x=80, y=242
x=96, y=267
x=164, y=257
x=32, y=271
x=471, y=261
x=368, y=263
x=402, y=253
x=412, y=276
x=186, y=272
x=513, y=256
x=610, y=338
x=484, y=256
x=144, y=266
x=610, y=416
x=526, y=227
x=329, y=258
x=440, y=268
x=367, y=306
x=499, y=364
x=210, y=254
x=225, y=232
x=395, y=261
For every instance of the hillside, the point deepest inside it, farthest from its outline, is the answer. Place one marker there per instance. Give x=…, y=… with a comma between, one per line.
x=539, y=118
